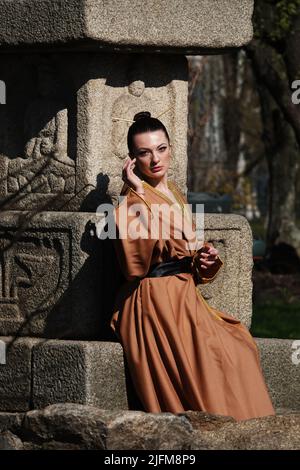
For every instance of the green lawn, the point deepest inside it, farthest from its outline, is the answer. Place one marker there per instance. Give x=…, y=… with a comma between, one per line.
x=276, y=319
x=278, y=316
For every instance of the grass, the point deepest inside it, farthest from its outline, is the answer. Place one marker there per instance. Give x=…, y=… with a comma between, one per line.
x=276, y=319
x=277, y=313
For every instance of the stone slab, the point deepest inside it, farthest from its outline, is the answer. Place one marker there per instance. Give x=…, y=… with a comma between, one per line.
x=281, y=366
x=60, y=147
x=60, y=282
x=52, y=279
x=189, y=27
x=231, y=290
x=67, y=426
x=41, y=372
x=16, y=375
x=89, y=373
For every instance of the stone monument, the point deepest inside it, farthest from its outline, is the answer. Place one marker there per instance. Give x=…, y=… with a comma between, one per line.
x=68, y=69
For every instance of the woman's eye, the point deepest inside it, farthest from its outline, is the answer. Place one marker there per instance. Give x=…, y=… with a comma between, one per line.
x=162, y=149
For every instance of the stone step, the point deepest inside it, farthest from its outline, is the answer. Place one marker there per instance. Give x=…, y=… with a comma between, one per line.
x=40, y=372
x=74, y=426
x=280, y=360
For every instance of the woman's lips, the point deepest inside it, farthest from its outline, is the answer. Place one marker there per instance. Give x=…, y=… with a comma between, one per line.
x=156, y=168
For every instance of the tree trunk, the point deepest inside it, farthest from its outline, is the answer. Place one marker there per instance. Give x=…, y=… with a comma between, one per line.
x=282, y=154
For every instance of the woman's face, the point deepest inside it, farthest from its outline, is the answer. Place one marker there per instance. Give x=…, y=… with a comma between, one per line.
x=152, y=153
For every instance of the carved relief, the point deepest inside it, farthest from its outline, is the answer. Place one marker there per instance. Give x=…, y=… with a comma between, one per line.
x=45, y=166
x=126, y=106
x=33, y=273
x=142, y=93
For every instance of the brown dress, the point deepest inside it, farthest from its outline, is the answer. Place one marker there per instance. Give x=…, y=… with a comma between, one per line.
x=182, y=354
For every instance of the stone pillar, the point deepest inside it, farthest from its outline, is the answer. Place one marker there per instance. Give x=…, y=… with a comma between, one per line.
x=69, y=68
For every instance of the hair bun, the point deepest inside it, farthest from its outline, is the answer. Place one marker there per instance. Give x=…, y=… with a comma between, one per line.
x=142, y=115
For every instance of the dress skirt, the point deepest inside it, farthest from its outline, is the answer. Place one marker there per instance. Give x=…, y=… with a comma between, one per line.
x=182, y=354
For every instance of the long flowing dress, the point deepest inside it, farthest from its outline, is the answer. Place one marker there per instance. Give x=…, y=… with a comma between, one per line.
x=182, y=354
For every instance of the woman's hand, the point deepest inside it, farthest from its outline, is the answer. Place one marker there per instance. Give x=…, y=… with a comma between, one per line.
x=208, y=256
x=129, y=177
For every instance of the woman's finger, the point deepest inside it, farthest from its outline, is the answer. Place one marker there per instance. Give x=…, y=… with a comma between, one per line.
x=129, y=165
x=125, y=167
x=212, y=259
x=208, y=263
x=213, y=254
x=130, y=171
x=208, y=256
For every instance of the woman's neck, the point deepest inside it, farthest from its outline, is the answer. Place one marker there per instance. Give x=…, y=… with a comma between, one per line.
x=161, y=185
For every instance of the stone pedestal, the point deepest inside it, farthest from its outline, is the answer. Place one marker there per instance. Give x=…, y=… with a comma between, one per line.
x=41, y=372
x=69, y=69
x=60, y=148
x=58, y=281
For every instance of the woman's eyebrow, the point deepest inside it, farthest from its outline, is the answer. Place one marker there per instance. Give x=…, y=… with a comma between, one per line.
x=145, y=148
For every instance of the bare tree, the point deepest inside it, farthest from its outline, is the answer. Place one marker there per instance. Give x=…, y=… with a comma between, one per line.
x=275, y=57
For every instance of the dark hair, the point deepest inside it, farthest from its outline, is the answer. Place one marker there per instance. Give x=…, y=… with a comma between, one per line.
x=143, y=122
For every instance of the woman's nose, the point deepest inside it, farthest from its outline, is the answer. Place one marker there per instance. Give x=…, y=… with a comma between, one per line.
x=155, y=158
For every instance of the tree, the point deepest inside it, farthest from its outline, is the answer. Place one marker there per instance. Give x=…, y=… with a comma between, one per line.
x=275, y=56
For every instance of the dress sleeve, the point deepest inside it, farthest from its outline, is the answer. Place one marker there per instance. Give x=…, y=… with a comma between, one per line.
x=133, y=243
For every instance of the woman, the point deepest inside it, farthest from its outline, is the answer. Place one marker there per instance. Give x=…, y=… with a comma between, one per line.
x=182, y=354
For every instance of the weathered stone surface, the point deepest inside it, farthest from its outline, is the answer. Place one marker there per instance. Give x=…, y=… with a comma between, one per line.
x=268, y=433
x=8, y=441
x=129, y=85
x=203, y=421
x=94, y=428
x=60, y=148
x=54, y=282
x=71, y=423
x=281, y=371
x=37, y=136
x=16, y=376
x=79, y=372
x=90, y=372
x=64, y=281
x=193, y=26
x=139, y=430
x=10, y=421
x=74, y=426
x=231, y=290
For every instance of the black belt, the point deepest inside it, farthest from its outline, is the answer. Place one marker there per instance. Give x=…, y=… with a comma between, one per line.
x=168, y=268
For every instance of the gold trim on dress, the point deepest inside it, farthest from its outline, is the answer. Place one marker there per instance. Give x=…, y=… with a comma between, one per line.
x=164, y=196
x=126, y=189
x=178, y=195
x=173, y=187
x=147, y=204
x=239, y=325
x=208, y=306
